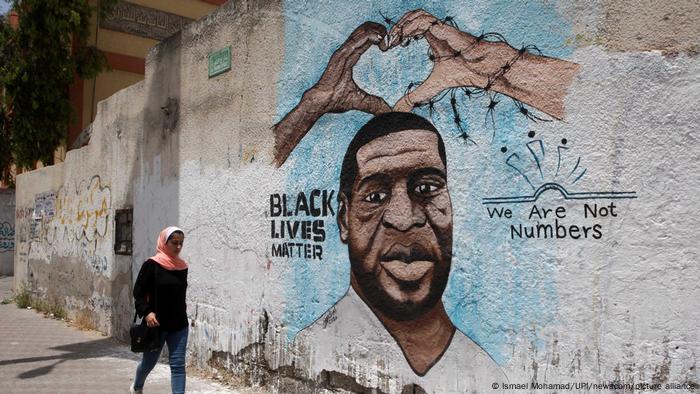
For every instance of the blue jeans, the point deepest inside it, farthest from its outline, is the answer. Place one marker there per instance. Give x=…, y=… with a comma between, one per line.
x=177, y=343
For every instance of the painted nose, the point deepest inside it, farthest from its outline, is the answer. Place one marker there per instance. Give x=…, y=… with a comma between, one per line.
x=401, y=213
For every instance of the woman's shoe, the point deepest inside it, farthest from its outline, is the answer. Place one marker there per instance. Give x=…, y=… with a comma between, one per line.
x=132, y=390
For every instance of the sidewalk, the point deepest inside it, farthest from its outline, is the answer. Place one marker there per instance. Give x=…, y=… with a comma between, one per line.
x=42, y=355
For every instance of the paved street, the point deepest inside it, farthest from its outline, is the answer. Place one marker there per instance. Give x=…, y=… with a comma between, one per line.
x=41, y=355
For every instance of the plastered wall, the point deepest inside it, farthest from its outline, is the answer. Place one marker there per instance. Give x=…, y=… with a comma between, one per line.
x=65, y=215
x=7, y=231
x=532, y=221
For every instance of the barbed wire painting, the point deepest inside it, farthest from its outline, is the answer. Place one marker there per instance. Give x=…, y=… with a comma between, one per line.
x=465, y=67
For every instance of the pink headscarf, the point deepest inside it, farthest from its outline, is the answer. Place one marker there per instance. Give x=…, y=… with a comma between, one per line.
x=168, y=261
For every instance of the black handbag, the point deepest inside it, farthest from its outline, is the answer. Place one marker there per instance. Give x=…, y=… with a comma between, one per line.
x=144, y=338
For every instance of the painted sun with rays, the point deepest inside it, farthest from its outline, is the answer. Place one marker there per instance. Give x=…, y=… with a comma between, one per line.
x=545, y=171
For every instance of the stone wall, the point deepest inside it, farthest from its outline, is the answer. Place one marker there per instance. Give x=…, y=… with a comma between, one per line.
x=533, y=222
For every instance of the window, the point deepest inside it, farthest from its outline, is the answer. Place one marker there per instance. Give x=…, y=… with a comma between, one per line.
x=123, y=223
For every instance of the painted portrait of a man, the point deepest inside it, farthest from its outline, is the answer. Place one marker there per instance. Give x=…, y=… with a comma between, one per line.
x=395, y=213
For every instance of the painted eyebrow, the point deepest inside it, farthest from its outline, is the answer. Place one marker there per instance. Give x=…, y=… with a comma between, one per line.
x=407, y=150
x=426, y=172
x=382, y=178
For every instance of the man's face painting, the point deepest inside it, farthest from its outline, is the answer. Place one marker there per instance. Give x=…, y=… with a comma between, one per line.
x=398, y=224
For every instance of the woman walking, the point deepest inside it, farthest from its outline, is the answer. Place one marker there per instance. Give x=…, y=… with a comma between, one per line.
x=159, y=295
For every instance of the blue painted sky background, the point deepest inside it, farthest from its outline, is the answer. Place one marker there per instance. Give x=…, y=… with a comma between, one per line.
x=497, y=289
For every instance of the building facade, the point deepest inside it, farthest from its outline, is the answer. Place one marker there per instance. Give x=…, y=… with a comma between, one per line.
x=125, y=38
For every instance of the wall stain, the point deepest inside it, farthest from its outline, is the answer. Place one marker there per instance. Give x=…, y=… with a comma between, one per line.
x=252, y=367
x=662, y=370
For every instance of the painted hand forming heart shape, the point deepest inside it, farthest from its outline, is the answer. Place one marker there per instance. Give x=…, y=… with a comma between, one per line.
x=459, y=60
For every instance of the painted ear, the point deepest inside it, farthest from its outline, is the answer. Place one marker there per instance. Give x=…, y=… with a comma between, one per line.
x=343, y=217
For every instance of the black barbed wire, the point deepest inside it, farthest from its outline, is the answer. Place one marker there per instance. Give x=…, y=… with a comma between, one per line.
x=431, y=104
x=471, y=92
x=448, y=20
x=527, y=113
x=529, y=49
x=411, y=87
x=490, y=109
x=387, y=20
x=457, y=119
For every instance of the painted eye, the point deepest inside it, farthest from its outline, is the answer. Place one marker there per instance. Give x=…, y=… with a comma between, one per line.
x=375, y=198
x=425, y=188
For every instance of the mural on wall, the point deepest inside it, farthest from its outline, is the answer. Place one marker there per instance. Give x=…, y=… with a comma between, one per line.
x=69, y=222
x=394, y=208
x=7, y=237
x=395, y=215
x=462, y=65
x=547, y=173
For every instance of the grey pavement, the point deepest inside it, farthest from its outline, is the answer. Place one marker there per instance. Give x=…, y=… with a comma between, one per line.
x=43, y=355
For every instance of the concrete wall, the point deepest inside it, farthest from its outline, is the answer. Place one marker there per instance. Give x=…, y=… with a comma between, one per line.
x=65, y=221
x=7, y=231
x=552, y=243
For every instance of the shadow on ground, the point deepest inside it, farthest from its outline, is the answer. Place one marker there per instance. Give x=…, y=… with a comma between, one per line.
x=106, y=347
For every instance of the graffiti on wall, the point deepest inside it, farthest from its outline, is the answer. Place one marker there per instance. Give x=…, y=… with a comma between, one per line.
x=23, y=217
x=82, y=212
x=407, y=104
x=7, y=237
x=44, y=205
x=69, y=222
x=297, y=223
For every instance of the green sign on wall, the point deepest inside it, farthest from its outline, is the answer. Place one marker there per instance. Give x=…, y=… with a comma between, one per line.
x=219, y=61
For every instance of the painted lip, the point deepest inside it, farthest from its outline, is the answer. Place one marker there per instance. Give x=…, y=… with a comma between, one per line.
x=412, y=272
x=408, y=263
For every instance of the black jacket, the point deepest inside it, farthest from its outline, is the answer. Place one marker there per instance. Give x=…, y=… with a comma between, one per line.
x=163, y=292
